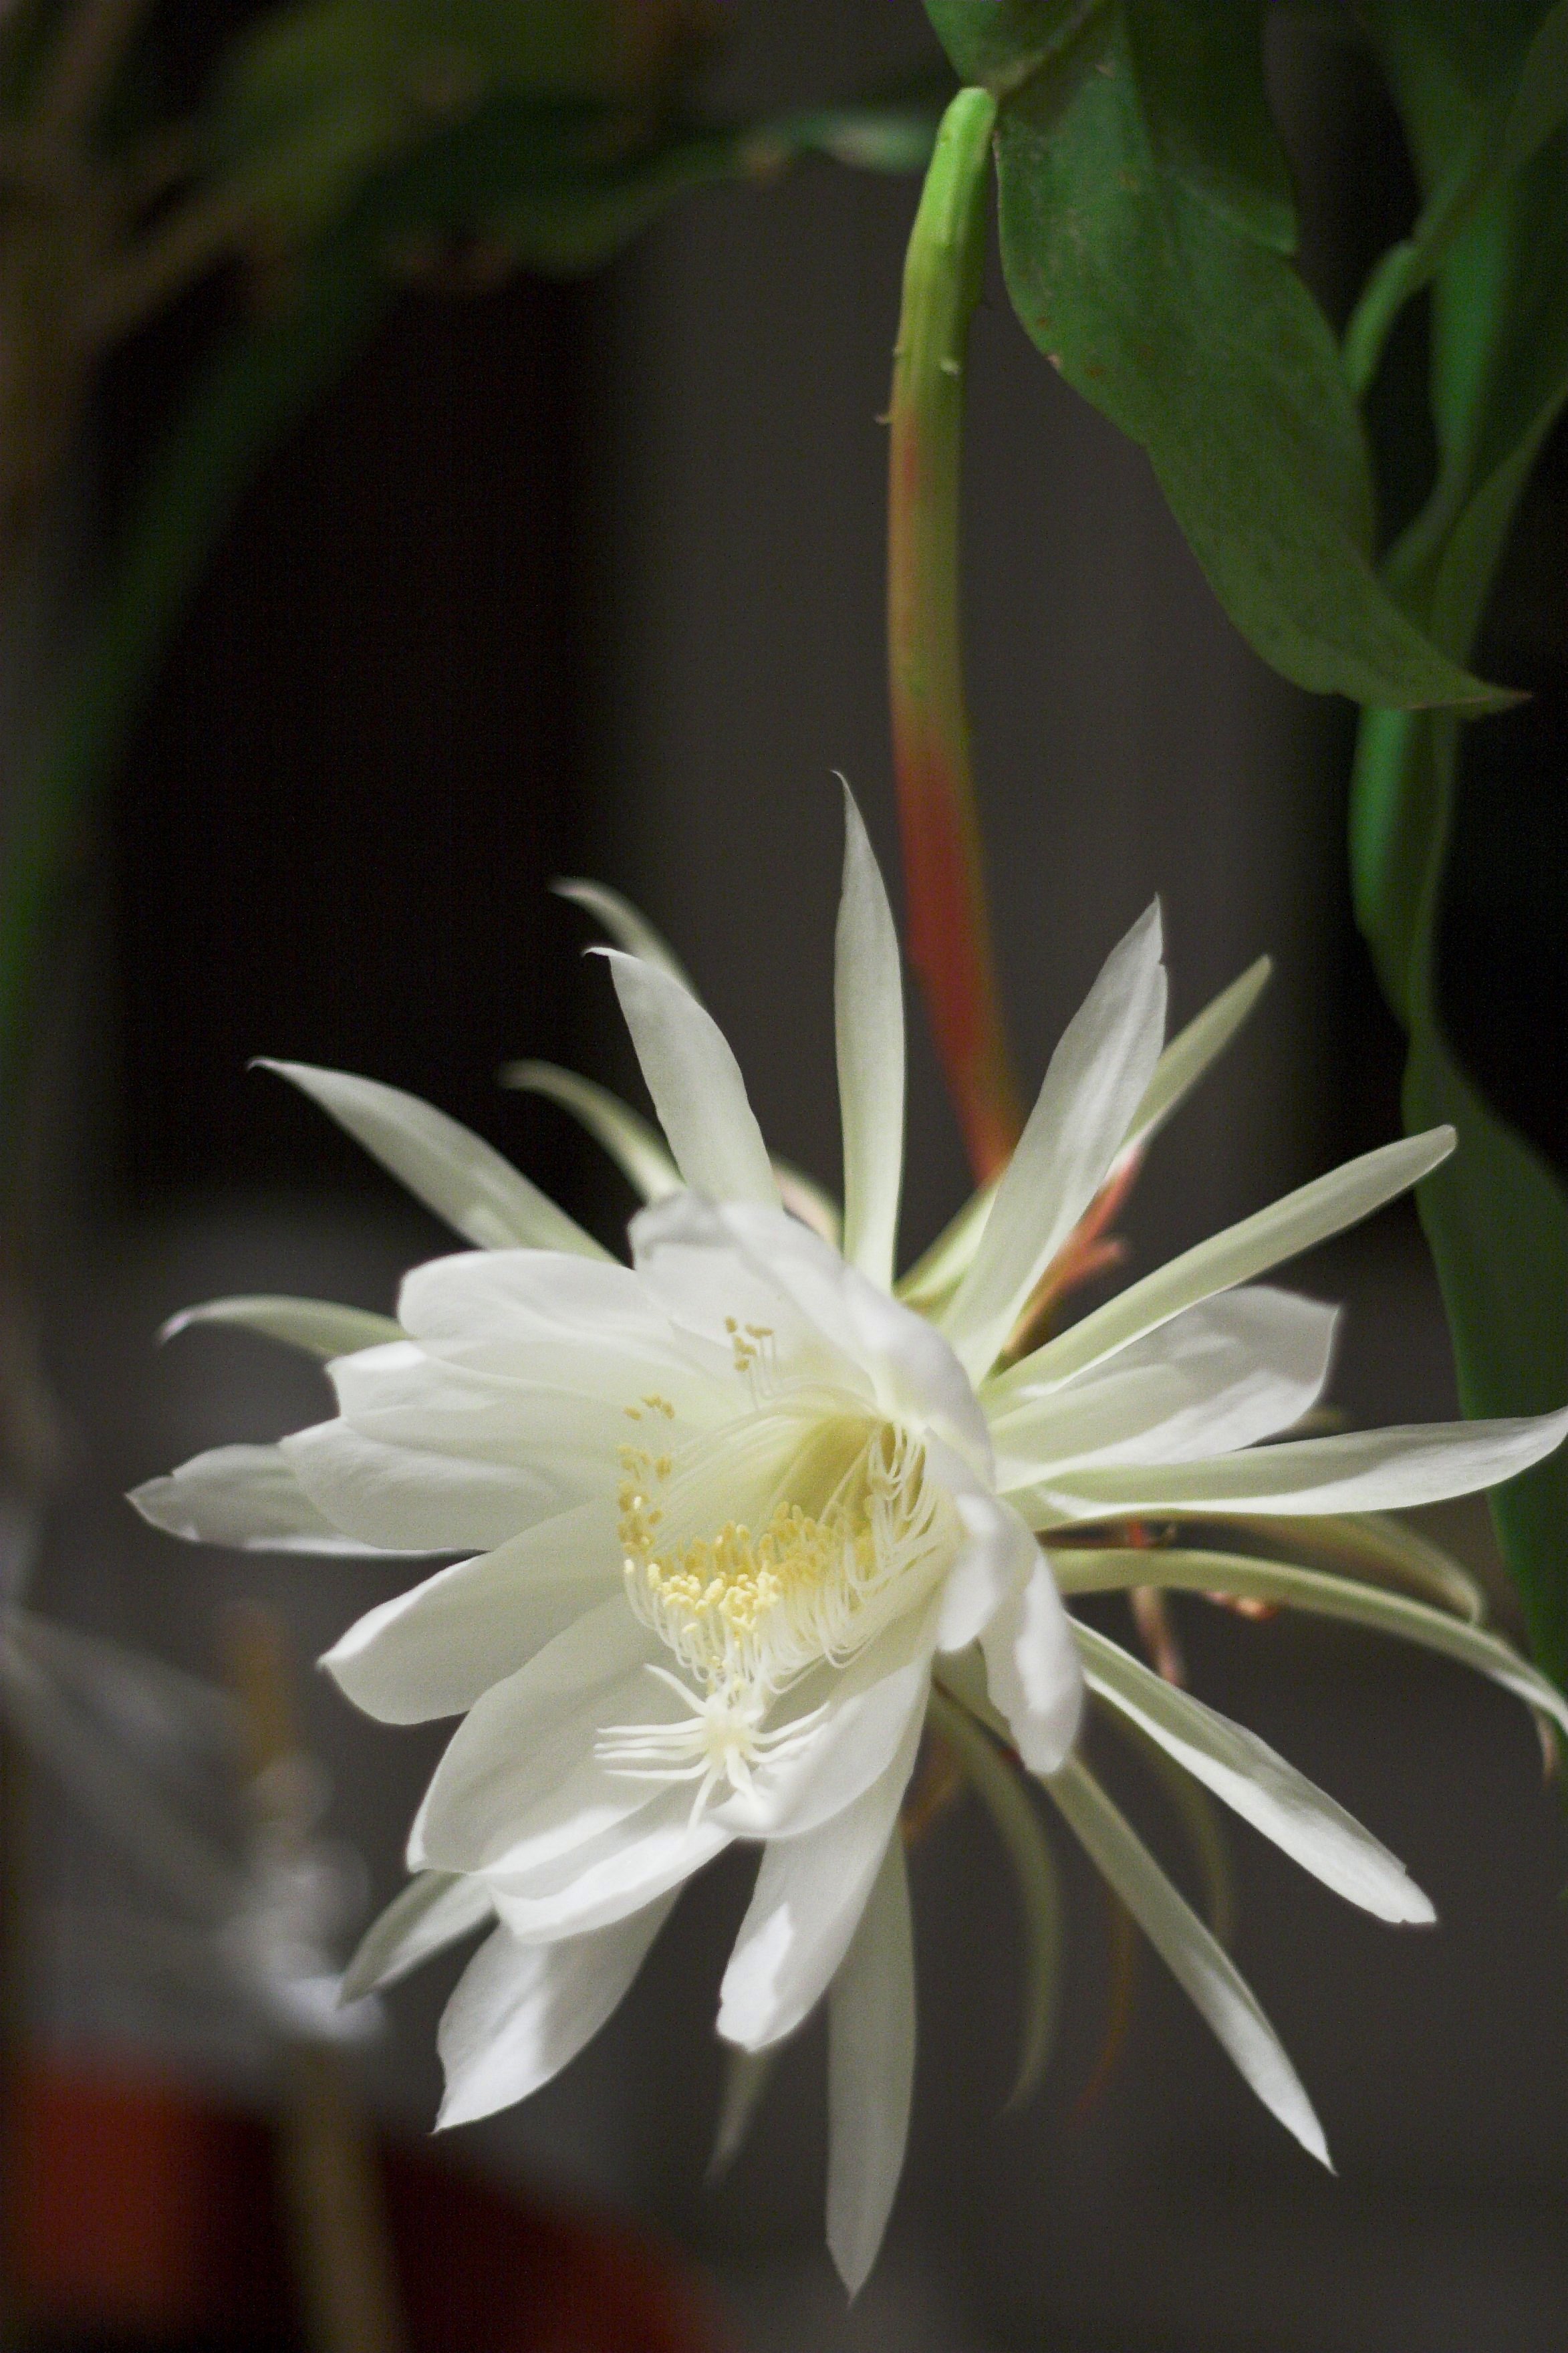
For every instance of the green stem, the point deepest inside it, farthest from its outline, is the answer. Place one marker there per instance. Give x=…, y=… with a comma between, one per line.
x=949, y=920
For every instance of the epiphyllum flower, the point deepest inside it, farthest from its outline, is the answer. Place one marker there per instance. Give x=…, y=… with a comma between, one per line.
x=730, y=1510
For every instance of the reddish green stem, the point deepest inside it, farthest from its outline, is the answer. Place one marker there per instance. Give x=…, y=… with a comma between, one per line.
x=949, y=921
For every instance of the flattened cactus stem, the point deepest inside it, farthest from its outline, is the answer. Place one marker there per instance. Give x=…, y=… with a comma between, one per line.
x=949, y=922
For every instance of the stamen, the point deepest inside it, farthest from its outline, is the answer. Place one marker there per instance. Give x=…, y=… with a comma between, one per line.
x=746, y=1611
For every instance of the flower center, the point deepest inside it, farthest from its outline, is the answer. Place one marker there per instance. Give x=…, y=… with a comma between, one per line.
x=849, y=1536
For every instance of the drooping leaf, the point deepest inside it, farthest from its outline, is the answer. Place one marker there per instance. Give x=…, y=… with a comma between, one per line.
x=1146, y=219
x=1201, y=342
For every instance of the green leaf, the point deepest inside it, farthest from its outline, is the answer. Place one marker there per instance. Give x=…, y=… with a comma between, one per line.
x=1006, y=43
x=1496, y=1216
x=1201, y=341
x=1200, y=66
x=1502, y=136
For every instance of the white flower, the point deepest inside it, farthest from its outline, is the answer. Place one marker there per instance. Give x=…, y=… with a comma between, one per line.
x=729, y=1510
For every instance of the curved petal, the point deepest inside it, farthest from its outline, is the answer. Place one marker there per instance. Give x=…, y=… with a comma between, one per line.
x=1227, y=1373
x=454, y=1173
x=1361, y=1470
x=249, y=1496
x=437, y=1649
x=808, y=1899
x=401, y=1498
x=935, y=1276
x=405, y=1397
x=870, y=2072
x=868, y=1708
x=319, y=1326
x=869, y=1019
x=538, y=1317
x=1032, y=1672
x=1097, y=1077
x=1258, y=1785
x=1197, y=1963
x=696, y=1085
x=714, y=1271
x=1286, y=1228
x=626, y=1865
x=636, y=1149
x=627, y=927
x=520, y=1784
x=996, y=1563
x=433, y=1911
x=1113, y=1569
x=520, y=2012
x=1193, y=1050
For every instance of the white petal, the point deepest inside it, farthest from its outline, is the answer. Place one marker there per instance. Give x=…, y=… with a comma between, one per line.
x=249, y=1497
x=520, y=2012
x=712, y=1268
x=319, y=1326
x=868, y=1016
x=1033, y=1672
x=1260, y=1786
x=1096, y=1079
x=405, y=1396
x=809, y=1896
x=436, y=1648
x=935, y=1276
x=997, y=1560
x=628, y=927
x=434, y=1911
x=1361, y=1470
x=636, y=1150
x=1193, y=1050
x=868, y=1710
x=1227, y=1373
x=518, y=1784
x=1303, y=1218
x=1198, y=1964
x=626, y=1867
x=400, y=1498
x=454, y=1172
x=870, y=2072
x=1113, y=1570
x=589, y=1327
x=696, y=1085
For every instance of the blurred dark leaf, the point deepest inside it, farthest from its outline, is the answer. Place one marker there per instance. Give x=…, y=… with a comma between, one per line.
x=317, y=98
x=1496, y=1219
x=1496, y=1216
x=1515, y=120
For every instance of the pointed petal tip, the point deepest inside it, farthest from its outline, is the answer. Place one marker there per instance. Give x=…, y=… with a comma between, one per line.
x=146, y=1500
